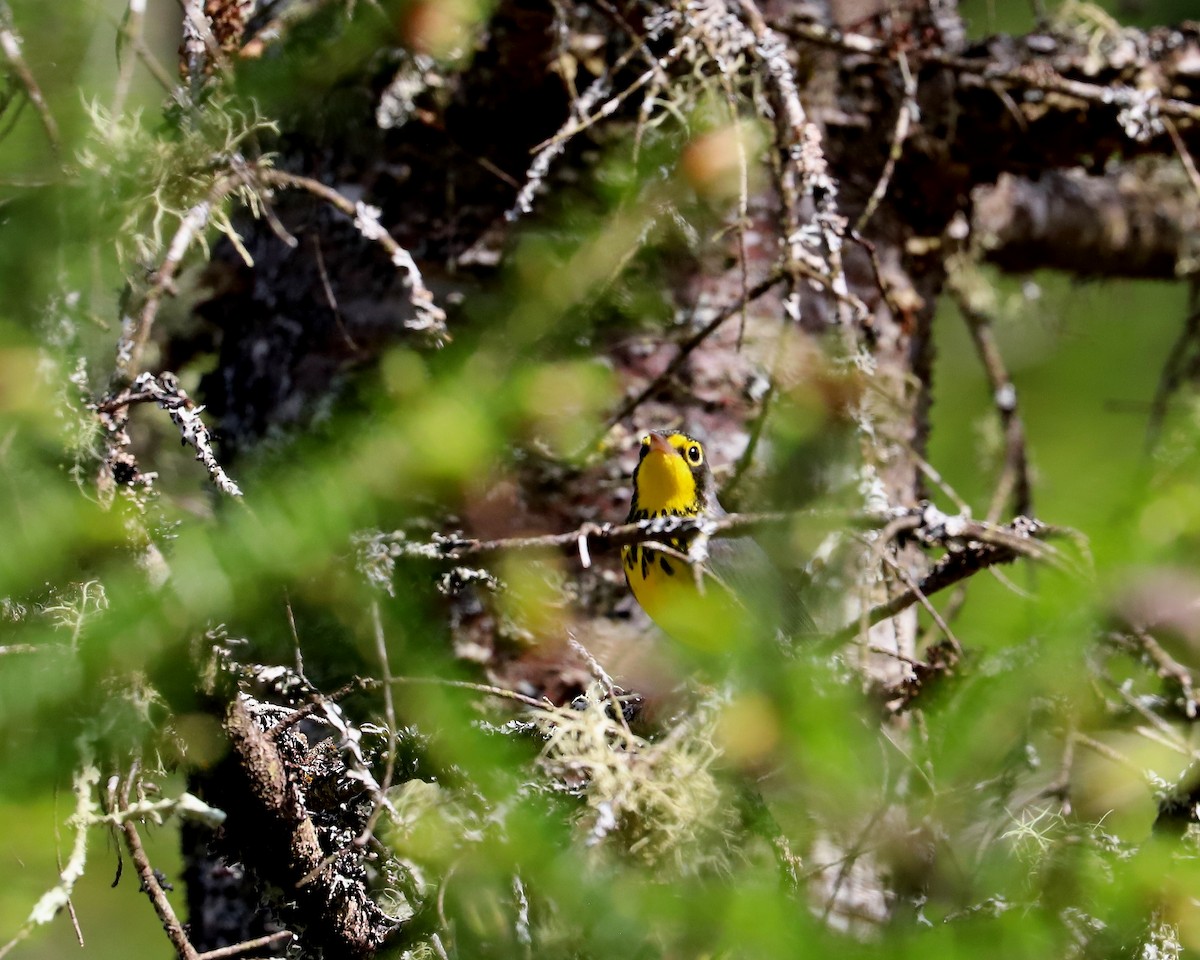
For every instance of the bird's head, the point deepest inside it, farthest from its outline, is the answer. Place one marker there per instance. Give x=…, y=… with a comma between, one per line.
x=672, y=476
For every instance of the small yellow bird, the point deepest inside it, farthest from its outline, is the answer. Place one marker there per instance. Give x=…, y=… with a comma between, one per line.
x=738, y=587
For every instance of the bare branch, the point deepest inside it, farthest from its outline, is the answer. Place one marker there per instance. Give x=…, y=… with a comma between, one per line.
x=987, y=69
x=804, y=173
x=1014, y=476
x=170, y=396
x=581, y=118
x=692, y=342
x=1123, y=224
x=915, y=588
x=151, y=885
x=904, y=118
x=430, y=318
x=980, y=545
x=389, y=713
x=131, y=31
x=1168, y=668
x=10, y=44
x=443, y=547
x=1181, y=361
x=236, y=949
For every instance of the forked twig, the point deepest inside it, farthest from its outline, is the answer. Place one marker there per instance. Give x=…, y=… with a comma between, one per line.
x=1014, y=477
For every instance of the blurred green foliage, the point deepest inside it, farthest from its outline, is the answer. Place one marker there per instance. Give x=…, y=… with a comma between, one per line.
x=949, y=810
x=985, y=17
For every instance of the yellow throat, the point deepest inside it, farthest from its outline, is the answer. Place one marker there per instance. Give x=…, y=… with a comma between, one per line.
x=664, y=481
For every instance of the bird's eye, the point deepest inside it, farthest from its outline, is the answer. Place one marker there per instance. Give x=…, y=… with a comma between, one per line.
x=693, y=453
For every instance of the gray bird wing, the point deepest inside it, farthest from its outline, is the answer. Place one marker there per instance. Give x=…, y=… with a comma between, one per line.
x=743, y=566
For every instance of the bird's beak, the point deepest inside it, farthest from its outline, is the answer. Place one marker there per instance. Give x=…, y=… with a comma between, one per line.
x=661, y=444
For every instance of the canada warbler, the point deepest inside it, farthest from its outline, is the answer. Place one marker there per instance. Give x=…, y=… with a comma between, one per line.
x=734, y=590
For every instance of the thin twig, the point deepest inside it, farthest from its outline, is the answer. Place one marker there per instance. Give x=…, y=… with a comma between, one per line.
x=389, y=714
x=70, y=902
x=150, y=884
x=165, y=391
x=686, y=348
x=1185, y=156
x=1160, y=731
x=1168, y=668
x=895, y=308
x=934, y=476
x=1104, y=750
x=1014, y=478
x=330, y=299
x=604, y=679
x=661, y=79
x=321, y=701
x=10, y=44
x=846, y=864
x=908, y=110
x=246, y=945
x=907, y=579
x=954, y=567
x=48, y=906
x=895, y=655
x=581, y=119
x=297, y=654
x=131, y=32
x=1060, y=786
x=146, y=55
x=430, y=318
x=1176, y=365
x=757, y=426
x=484, y=688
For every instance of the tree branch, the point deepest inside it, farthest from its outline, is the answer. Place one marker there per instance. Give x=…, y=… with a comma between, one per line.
x=1125, y=224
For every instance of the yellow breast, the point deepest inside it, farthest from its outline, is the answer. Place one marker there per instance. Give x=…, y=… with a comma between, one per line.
x=704, y=615
x=656, y=580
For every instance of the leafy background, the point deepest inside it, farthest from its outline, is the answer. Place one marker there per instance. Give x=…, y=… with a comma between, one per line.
x=432, y=429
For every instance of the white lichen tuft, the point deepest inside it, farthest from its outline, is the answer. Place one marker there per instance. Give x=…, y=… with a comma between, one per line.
x=658, y=801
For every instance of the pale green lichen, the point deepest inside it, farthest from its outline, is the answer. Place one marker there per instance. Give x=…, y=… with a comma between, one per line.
x=148, y=181
x=659, y=801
